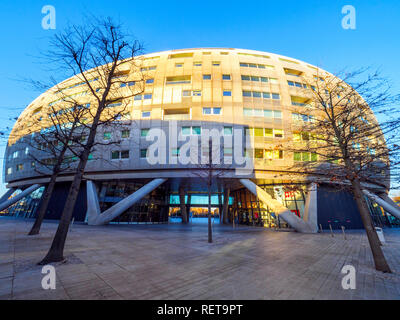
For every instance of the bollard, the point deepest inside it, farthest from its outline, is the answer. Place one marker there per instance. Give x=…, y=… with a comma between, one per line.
x=330, y=227
x=321, y=230
x=344, y=234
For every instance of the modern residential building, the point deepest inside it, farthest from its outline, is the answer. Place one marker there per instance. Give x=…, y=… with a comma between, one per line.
x=251, y=101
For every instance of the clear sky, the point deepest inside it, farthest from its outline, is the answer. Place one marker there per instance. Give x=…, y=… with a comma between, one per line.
x=308, y=30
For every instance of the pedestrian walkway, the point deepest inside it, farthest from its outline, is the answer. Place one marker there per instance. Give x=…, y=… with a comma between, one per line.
x=176, y=262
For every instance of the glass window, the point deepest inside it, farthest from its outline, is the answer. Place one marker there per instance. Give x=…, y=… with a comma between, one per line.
x=216, y=63
x=206, y=76
x=186, y=93
x=148, y=96
x=258, y=153
x=269, y=132
x=290, y=83
x=138, y=97
x=314, y=157
x=277, y=114
x=150, y=81
x=114, y=154
x=245, y=78
x=254, y=78
x=143, y=153
x=197, y=93
x=146, y=114
x=247, y=112
x=107, y=135
x=252, y=65
x=296, y=136
x=256, y=94
x=197, y=64
x=144, y=132
x=131, y=83
x=276, y=96
x=278, y=133
x=266, y=95
x=246, y=93
x=268, y=113
x=305, y=156
x=227, y=93
x=269, y=154
x=264, y=79
x=206, y=110
x=244, y=64
x=228, y=152
x=125, y=133
x=258, y=112
x=217, y=110
x=196, y=130
x=297, y=156
x=178, y=65
x=228, y=131
x=185, y=131
x=125, y=154
x=258, y=132
x=226, y=77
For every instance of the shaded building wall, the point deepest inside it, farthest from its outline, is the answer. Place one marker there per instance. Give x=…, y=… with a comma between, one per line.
x=338, y=208
x=58, y=199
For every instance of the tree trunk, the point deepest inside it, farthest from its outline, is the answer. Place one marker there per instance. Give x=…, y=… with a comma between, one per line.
x=377, y=253
x=43, y=206
x=56, y=252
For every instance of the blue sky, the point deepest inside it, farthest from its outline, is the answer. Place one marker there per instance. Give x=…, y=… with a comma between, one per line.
x=307, y=30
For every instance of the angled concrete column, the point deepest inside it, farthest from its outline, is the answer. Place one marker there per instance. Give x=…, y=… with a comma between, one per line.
x=385, y=205
x=7, y=195
x=226, y=205
x=95, y=218
x=19, y=196
x=93, y=205
x=289, y=217
x=311, y=210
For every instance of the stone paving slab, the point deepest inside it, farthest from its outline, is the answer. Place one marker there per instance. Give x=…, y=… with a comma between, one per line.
x=176, y=262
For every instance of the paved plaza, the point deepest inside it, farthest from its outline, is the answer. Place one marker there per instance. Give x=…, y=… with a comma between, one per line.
x=176, y=262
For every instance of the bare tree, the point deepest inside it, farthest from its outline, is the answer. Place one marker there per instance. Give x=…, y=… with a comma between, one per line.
x=101, y=57
x=335, y=134
x=210, y=168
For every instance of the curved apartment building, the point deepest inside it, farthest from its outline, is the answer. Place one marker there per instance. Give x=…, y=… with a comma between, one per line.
x=248, y=103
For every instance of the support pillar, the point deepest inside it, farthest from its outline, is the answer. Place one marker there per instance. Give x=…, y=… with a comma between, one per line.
x=10, y=202
x=8, y=194
x=226, y=205
x=311, y=209
x=95, y=218
x=291, y=219
x=183, y=205
x=384, y=204
x=189, y=201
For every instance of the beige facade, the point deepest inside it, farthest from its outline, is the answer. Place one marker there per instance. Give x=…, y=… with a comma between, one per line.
x=260, y=91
